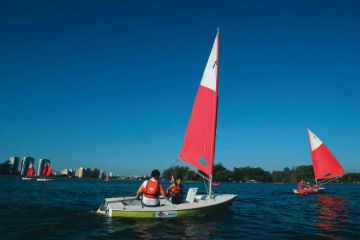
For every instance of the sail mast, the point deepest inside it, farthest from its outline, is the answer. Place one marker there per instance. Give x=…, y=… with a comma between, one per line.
x=217, y=101
x=309, y=140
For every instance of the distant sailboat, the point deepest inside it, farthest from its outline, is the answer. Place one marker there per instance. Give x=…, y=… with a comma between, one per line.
x=30, y=175
x=45, y=174
x=106, y=178
x=326, y=166
x=198, y=150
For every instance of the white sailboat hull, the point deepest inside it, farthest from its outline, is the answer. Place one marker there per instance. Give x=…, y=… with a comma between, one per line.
x=44, y=179
x=131, y=208
x=27, y=178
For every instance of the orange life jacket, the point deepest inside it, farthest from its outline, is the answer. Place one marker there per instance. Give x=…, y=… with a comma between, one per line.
x=152, y=189
x=176, y=190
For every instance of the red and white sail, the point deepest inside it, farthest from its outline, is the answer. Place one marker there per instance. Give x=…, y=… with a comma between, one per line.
x=47, y=171
x=31, y=171
x=198, y=148
x=326, y=166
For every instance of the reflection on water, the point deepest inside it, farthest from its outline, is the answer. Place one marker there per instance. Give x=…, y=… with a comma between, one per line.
x=182, y=228
x=169, y=228
x=332, y=215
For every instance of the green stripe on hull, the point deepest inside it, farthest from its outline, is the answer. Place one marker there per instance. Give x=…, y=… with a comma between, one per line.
x=158, y=214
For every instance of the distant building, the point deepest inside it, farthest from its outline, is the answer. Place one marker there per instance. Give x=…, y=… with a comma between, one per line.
x=14, y=161
x=88, y=173
x=80, y=172
x=68, y=172
x=42, y=163
x=25, y=165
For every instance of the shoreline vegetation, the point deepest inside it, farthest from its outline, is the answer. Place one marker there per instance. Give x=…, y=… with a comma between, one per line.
x=221, y=174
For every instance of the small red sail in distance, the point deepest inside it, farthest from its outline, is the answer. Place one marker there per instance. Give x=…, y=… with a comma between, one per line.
x=31, y=171
x=198, y=148
x=325, y=164
x=49, y=171
x=44, y=170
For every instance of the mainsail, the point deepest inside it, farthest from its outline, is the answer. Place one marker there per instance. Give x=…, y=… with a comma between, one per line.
x=326, y=166
x=31, y=171
x=47, y=171
x=198, y=148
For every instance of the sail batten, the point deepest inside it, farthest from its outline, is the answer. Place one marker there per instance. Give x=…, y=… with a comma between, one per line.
x=325, y=164
x=198, y=148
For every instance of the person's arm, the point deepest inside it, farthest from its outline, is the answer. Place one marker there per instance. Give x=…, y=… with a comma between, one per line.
x=168, y=189
x=139, y=191
x=163, y=192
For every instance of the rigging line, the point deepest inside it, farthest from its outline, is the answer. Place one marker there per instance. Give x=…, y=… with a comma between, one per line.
x=173, y=164
x=196, y=170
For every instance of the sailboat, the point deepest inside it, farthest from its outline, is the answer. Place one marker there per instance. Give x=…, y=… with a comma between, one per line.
x=30, y=175
x=45, y=174
x=107, y=178
x=326, y=166
x=198, y=150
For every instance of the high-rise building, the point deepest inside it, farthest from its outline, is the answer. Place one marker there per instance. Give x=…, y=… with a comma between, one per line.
x=87, y=173
x=14, y=161
x=42, y=163
x=80, y=172
x=25, y=164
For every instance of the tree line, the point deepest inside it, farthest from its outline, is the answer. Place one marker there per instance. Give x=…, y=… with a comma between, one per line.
x=254, y=174
x=238, y=174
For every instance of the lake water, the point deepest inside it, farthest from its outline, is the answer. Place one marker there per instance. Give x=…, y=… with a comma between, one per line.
x=65, y=208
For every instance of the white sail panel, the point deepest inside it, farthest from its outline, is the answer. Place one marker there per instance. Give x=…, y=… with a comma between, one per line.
x=208, y=79
x=315, y=142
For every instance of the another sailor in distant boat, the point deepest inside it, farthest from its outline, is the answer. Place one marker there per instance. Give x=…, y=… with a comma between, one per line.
x=175, y=191
x=151, y=189
x=301, y=184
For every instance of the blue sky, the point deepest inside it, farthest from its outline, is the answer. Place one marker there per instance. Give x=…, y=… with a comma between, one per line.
x=110, y=84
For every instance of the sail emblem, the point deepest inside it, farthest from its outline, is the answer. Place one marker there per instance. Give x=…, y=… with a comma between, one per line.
x=215, y=63
x=327, y=175
x=203, y=162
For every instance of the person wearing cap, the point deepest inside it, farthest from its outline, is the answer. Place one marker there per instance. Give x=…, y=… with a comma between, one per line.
x=151, y=190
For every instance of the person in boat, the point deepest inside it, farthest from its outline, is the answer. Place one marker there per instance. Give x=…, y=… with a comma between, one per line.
x=151, y=190
x=315, y=186
x=175, y=191
x=301, y=184
x=308, y=185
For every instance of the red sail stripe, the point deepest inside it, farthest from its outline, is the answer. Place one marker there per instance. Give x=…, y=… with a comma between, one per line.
x=200, y=134
x=49, y=171
x=325, y=164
